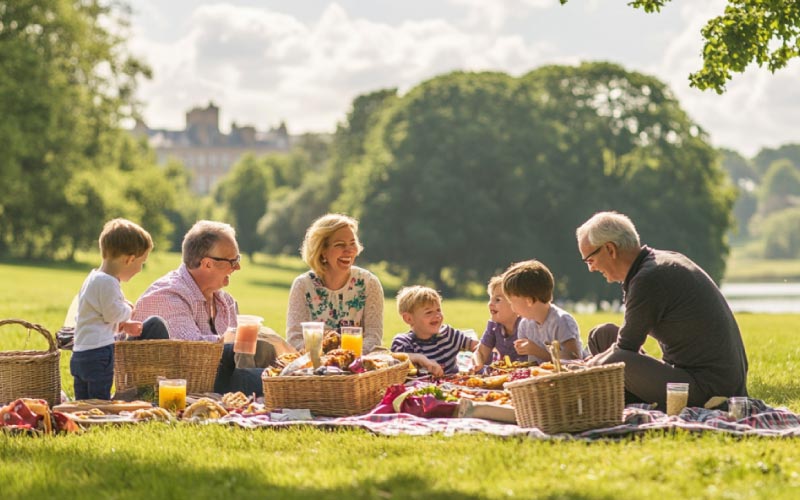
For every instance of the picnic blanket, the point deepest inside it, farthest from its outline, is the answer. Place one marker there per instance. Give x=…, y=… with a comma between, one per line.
x=763, y=420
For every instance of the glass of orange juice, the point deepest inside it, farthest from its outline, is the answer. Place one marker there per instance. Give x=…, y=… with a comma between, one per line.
x=172, y=394
x=353, y=339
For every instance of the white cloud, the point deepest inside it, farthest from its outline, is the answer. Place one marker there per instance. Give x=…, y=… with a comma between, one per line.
x=495, y=13
x=261, y=66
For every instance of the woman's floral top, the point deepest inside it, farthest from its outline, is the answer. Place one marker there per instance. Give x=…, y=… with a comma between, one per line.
x=358, y=303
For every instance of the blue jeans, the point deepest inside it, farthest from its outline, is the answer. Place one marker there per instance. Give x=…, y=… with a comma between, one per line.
x=153, y=328
x=232, y=379
x=93, y=372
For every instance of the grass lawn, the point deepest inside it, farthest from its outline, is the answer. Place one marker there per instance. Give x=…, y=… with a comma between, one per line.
x=180, y=461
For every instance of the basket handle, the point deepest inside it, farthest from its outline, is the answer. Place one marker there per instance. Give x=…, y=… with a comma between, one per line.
x=555, y=355
x=33, y=326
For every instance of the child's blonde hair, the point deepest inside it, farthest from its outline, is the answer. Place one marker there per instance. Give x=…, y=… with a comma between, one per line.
x=530, y=279
x=412, y=297
x=123, y=237
x=494, y=282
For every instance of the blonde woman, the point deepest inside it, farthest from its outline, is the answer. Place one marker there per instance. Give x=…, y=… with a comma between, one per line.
x=335, y=291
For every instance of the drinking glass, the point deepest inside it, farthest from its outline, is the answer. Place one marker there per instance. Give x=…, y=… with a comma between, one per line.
x=172, y=394
x=353, y=339
x=677, y=397
x=738, y=407
x=230, y=335
x=312, y=339
x=247, y=327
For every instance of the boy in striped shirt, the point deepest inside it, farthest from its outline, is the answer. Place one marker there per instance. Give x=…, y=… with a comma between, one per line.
x=429, y=344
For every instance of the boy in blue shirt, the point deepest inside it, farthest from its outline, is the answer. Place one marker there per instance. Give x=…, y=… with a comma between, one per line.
x=429, y=344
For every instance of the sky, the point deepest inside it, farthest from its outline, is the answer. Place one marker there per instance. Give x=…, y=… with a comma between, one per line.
x=303, y=61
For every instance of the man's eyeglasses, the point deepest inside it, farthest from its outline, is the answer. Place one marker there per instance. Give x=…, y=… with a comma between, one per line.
x=233, y=262
x=593, y=253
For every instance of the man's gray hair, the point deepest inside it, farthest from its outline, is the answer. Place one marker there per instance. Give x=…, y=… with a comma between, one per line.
x=605, y=227
x=201, y=238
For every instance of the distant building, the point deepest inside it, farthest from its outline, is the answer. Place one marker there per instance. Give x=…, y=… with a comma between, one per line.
x=208, y=153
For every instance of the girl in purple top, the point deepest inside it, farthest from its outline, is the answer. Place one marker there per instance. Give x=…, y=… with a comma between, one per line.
x=501, y=330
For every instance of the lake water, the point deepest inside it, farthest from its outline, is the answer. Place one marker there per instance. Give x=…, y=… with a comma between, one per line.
x=763, y=297
x=742, y=297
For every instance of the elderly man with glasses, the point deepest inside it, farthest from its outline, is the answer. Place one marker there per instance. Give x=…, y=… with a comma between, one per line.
x=191, y=301
x=670, y=298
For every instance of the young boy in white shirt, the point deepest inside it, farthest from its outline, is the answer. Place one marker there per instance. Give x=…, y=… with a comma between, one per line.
x=103, y=310
x=529, y=287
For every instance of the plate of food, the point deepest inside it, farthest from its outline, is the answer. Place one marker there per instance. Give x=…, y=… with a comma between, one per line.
x=478, y=381
x=97, y=417
x=105, y=406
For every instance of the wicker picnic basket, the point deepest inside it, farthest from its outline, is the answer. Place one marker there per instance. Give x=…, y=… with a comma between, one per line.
x=571, y=401
x=30, y=374
x=139, y=363
x=332, y=395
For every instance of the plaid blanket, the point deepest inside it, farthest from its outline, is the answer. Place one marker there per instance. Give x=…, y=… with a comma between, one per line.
x=762, y=421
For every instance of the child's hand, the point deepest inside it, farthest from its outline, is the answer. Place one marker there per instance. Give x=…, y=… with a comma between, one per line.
x=523, y=346
x=433, y=368
x=132, y=328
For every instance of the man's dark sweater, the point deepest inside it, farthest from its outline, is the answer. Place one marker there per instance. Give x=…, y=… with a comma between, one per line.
x=668, y=296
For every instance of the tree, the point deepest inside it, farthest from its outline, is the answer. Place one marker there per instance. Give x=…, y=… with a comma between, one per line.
x=245, y=193
x=743, y=174
x=738, y=167
x=288, y=217
x=767, y=156
x=185, y=211
x=781, y=233
x=436, y=165
x=469, y=172
x=65, y=85
x=293, y=210
x=781, y=187
x=622, y=142
x=759, y=31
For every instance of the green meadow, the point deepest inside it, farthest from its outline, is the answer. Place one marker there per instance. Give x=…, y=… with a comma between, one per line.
x=211, y=461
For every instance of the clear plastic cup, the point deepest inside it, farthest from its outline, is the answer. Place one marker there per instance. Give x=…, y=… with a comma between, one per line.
x=353, y=339
x=738, y=407
x=312, y=340
x=247, y=327
x=230, y=335
x=677, y=397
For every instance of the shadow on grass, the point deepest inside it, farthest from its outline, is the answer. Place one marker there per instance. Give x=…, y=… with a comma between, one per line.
x=81, y=470
x=123, y=476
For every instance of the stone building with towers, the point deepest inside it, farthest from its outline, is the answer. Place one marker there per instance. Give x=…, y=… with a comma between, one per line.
x=207, y=152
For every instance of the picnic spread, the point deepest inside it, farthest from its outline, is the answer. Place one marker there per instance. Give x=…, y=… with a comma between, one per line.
x=381, y=392
x=409, y=405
